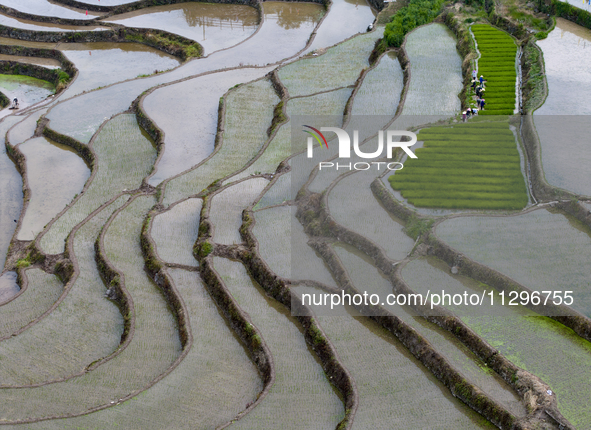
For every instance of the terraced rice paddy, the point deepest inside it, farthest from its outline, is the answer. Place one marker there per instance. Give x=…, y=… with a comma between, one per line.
x=519, y=248
x=189, y=136
x=234, y=152
x=288, y=255
x=8, y=286
x=497, y=65
x=562, y=117
x=300, y=383
x=214, y=26
x=366, y=277
x=77, y=339
x=105, y=63
x=175, y=232
x=11, y=193
x=56, y=174
x=226, y=209
x=25, y=24
x=385, y=398
x=466, y=166
x=42, y=291
x=28, y=90
x=168, y=352
x=518, y=333
x=435, y=70
x=44, y=8
x=346, y=18
x=352, y=204
x=209, y=388
x=119, y=169
x=314, y=74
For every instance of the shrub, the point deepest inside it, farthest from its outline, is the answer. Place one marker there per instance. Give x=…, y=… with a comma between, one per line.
x=417, y=13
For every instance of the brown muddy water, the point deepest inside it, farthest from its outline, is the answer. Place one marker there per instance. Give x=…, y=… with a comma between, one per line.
x=50, y=63
x=28, y=44
x=55, y=174
x=346, y=18
x=44, y=8
x=214, y=26
x=26, y=24
x=104, y=63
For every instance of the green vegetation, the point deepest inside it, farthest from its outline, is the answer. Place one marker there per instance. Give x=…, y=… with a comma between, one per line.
x=572, y=13
x=497, y=65
x=467, y=166
x=418, y=12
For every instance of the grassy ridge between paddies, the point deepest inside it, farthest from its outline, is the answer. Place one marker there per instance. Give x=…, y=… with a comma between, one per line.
x=497, y=65
x=466, y=166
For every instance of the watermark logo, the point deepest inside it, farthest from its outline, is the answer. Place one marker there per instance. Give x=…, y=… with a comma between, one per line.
x=344, y=142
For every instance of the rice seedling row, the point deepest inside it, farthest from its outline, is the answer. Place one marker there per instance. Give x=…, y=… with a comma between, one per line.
x=300, y=383
x=353, y=205
x=314, y=74
x=55, y=174
x=279, y=193
x=190, y=128
x=212, y=384
x=42, y=291
x=472, y=165
x=492, y=42
x=283, y=245
x=83, y=328
x=245, y=133
x=175, y=232
x=519, y=248
x=535, y=343
x=436, y=72
x=366, y=278
x=226, y=209
x=153, y=349
x=118, y=168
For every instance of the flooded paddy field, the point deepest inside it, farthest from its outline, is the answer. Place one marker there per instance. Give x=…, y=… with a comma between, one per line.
x=56, y=174
x=175, y=232
x=118, y=331
x=45, y=8
x=518, y=333
x=518, y=247
x=77, y=340
x=300, y=382
x=214, y=26
x=563, y=116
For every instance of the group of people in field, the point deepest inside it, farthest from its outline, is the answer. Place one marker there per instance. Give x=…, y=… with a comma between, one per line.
x=478, y=87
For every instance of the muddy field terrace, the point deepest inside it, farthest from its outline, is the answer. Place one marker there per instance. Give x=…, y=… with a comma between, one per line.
x=173, y=256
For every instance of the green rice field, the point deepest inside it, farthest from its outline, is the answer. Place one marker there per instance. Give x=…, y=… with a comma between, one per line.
x=465, y=166
x=497, y=65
